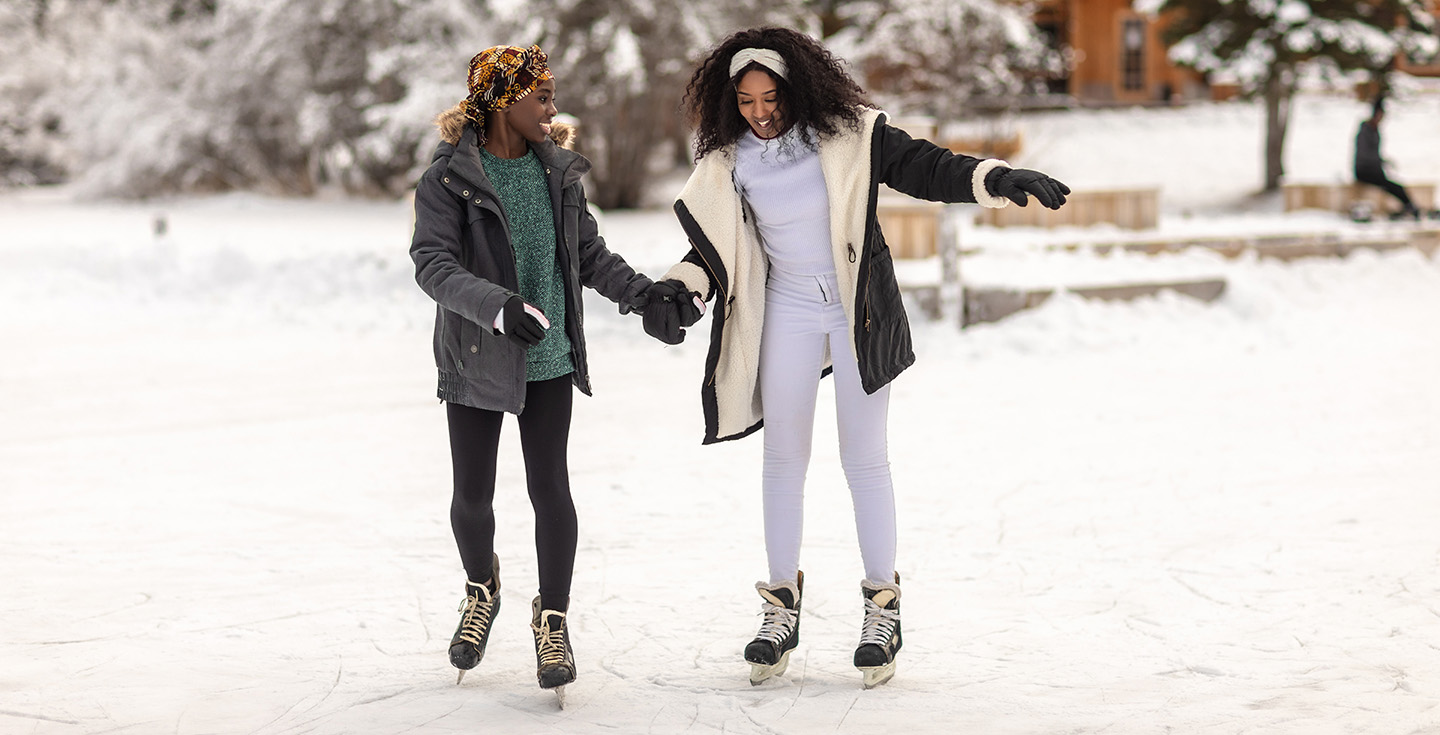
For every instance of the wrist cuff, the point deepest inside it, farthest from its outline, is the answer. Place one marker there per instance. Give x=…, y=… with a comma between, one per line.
x=983, y=197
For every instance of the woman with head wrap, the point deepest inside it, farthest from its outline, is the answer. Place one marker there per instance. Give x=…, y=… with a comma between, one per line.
x=780, y=213
x=503, y=243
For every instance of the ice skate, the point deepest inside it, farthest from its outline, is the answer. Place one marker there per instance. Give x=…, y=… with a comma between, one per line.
x=554, y=660
x=880, y=634
x=769, y=653
x=482, y=602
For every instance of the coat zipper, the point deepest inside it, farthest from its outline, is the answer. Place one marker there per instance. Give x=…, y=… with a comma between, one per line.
x=724, y=303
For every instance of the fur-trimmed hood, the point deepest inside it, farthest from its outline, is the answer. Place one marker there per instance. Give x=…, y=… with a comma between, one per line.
x=451, y=124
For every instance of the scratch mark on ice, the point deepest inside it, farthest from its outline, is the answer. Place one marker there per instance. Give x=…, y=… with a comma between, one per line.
x=43, y=718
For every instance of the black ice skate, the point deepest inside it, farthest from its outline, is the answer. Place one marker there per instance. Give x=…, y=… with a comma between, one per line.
x=769, y=653
x=477, y=611
x=554, y=660
x=880, y=635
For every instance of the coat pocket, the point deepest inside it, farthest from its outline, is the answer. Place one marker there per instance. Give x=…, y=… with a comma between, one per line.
x=471, y=348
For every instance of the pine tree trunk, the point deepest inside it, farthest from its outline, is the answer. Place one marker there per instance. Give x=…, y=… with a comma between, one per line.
x=1279, y=93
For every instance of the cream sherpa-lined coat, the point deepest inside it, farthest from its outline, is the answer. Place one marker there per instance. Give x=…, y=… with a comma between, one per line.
x=727, y=259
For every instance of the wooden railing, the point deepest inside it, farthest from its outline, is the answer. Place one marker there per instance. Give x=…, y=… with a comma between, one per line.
x=1131, y=209
x=1341, y=197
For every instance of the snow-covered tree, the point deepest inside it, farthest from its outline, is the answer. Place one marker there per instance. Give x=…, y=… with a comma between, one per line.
x=622, y=66
x=31, y=148
x=1266, y=45
x=934, y=57
x=152, y=97
x=289, y=96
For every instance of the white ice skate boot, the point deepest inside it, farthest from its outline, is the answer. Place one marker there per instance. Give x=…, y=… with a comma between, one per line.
x=880, y=635
x=769, y=653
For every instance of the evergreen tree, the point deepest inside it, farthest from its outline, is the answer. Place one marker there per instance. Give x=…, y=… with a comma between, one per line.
x=1266, y=44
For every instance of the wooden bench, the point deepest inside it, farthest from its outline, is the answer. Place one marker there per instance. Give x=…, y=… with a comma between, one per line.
x=993, y=304
x=1005, y=147
x=911, y=226
x=1131, y=209
x=1341, y=197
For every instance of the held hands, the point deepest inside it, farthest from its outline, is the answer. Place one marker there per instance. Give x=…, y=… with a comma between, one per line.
x=669, y=309
x=1015, y=183
x=522, y=322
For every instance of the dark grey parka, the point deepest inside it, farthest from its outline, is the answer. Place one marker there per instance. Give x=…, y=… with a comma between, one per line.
x=727, y=261
x=464, y=260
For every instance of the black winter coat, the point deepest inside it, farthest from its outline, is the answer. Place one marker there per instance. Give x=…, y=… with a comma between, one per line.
x=1368, y=164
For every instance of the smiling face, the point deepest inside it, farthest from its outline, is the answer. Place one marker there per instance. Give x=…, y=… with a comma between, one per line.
x=758, y=96
x=530, y=117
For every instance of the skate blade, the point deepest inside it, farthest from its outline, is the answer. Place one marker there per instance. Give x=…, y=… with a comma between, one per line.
x=874, y=676
x=559, y=696
x=762, y=672
x=459, y=676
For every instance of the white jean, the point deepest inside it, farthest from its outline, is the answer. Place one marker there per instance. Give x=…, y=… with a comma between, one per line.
x=802, y=315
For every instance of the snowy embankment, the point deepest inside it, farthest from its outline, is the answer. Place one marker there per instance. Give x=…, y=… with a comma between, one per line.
x=226, y=485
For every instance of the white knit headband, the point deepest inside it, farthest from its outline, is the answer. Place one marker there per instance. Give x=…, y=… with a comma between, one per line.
x=765, y=57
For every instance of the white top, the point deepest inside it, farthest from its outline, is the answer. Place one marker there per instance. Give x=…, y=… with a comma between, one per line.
x=782, y=182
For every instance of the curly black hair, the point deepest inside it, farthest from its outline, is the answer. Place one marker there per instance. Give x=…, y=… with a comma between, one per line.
x=819, y=95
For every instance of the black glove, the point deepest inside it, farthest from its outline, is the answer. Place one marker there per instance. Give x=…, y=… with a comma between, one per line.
x=526, y=330
x=1015, y=183
x=663, y=311
x=685, y=298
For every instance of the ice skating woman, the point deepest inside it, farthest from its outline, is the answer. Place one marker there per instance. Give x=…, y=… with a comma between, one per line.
x=503, y=244
x=780, y=212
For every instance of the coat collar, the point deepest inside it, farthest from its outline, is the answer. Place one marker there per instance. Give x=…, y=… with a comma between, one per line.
x=465, y=164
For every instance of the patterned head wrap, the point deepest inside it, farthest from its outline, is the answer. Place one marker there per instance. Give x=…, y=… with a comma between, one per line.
x=500, y=76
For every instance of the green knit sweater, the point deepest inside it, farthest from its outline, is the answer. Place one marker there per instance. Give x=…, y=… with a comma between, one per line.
x=524, y=195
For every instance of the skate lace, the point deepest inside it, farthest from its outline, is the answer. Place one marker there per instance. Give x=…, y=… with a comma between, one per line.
x=779, y=622
x=549, y=645
x=476, y=618
x=879, y=624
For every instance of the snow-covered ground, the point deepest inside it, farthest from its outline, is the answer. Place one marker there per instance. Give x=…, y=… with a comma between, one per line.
x=226, y=481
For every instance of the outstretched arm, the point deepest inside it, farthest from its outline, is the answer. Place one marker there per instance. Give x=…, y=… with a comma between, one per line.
x=924, y=170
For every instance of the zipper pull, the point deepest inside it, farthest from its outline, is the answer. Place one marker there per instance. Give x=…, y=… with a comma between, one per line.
x=849, y=246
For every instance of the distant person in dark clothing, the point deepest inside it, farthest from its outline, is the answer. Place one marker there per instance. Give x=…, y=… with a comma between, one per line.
x=1370, y=167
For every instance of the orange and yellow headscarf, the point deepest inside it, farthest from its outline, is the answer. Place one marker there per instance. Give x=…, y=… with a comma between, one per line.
x=500, y=76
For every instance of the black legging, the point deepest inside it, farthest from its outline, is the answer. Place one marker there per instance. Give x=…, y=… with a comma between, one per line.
x=544, y=436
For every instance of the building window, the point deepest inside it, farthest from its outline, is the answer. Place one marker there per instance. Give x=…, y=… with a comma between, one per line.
x=1132, y=36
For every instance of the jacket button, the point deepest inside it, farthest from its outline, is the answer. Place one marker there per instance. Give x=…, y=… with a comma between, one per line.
x=465, y=193
x=447, y=179
x=477, y=201
x=474, y=349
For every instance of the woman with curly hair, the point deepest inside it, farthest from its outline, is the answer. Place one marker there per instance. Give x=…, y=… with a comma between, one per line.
x=780, y=213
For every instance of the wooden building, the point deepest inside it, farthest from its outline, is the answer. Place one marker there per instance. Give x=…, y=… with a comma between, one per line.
x=1117, y=54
